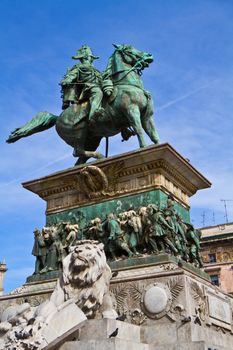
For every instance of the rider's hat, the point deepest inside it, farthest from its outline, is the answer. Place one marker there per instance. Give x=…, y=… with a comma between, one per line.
x=84, y=51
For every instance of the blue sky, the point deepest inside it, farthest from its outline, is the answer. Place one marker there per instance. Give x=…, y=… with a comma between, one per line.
x=191, y=82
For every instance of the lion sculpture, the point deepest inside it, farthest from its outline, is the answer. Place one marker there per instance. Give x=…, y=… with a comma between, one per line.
x=85, y=279
x=83, y=286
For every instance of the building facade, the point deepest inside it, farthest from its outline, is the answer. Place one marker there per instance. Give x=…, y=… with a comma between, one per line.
x=217, y=255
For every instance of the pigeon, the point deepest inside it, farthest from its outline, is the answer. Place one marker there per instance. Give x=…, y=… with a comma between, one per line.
x=197, y=320
x=114, y=274
x=121, y=317
x=114, y=334
x=186, y=319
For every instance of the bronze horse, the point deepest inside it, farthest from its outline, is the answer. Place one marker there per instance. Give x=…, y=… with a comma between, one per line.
x=129, y=110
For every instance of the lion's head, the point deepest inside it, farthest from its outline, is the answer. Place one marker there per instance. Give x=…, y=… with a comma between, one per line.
x=86, y=275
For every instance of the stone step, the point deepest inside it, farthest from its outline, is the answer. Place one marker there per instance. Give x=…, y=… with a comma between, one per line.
x=199, y=345
x=105, y=344
x=102, y=329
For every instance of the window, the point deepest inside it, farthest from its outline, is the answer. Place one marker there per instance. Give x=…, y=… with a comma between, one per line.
x=214, y=280
x=212, y=258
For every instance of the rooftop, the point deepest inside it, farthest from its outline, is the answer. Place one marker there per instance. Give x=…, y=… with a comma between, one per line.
x=217, y=231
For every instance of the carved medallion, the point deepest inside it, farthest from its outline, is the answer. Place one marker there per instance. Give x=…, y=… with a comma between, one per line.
x=156, y=300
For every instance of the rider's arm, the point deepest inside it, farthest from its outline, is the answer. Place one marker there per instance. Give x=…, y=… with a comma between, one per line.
x=71, y=75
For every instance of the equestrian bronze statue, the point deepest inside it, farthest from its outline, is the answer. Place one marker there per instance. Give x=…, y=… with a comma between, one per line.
x=97, y=105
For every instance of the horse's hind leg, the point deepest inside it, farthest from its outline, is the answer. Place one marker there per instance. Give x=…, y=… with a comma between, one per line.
x=85, y=155
x=135, y=122
x=82, y=160
x=148, y=125
x=91, y=145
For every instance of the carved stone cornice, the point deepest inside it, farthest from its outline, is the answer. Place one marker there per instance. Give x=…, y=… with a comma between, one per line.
x=156, y=167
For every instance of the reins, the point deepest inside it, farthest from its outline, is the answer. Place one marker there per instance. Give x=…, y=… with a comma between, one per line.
x=128, y=71
x=137, y=66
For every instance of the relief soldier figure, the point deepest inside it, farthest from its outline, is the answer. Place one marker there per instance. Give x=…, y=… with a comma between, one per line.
x=96, y=231
x=116, y=237
x=39, y=251
x=148, y=229
x=53, y=250
x=71, y=235
x=181, y=229
x=160, y=229
x=193, y=238
x=133, y=229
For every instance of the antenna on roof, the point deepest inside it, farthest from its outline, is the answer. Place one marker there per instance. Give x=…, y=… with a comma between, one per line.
x=225, y=207
x=213, y=218
x=203, y=219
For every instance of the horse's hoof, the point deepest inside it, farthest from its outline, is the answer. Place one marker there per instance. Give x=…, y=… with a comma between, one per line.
x=99, y=156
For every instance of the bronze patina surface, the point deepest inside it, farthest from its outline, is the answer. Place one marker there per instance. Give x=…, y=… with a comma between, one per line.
x=97, y=105
x=135, y=203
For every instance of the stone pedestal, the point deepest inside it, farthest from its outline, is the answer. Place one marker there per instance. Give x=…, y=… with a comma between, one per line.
x=119, y=183
x=96, y=334
x=166, y=306
x=173, y=303
x=165, y=302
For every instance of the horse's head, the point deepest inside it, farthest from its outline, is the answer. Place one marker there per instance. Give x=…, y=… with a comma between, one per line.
x=134, y=57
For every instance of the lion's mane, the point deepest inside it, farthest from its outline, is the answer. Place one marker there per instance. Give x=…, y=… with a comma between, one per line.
x=86, y=277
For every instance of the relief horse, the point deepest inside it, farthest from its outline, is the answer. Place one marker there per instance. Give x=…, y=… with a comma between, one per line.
x=128, y=110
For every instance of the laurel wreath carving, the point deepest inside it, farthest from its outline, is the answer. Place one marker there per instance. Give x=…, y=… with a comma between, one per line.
x=93, y=181
x=135, y=292
x=200, y=299
x=120, y=293
x=112, y=172
x=197, y=292
x=175, y=286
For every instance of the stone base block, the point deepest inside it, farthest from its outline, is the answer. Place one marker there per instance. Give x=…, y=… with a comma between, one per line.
x=167, y=304
x=61, y=325
x=107, y=344
x=199, y=345
x=185, y=337
x=173, y=303
x=95, y=336
x=100, y=329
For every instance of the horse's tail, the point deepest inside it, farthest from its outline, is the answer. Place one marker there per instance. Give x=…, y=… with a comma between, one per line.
x=42, y=121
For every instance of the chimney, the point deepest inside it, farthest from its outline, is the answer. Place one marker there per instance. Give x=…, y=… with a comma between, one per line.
x=3, y=269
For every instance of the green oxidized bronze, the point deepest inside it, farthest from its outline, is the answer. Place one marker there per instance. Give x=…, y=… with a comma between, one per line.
x=145, y=231
x=83, y=82
x=99, y=105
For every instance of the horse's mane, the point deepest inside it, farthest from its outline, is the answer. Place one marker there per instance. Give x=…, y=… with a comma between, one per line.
x=109, y=69
x=114, y=65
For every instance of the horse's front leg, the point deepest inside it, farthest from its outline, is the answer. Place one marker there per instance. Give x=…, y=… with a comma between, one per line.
x=134, y=118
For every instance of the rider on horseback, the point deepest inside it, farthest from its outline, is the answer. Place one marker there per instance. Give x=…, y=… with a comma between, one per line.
x=83, y=82
x=128, y=107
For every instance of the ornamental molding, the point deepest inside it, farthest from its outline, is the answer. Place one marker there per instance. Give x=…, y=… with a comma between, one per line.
x=92, y=184
x=106, y=174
